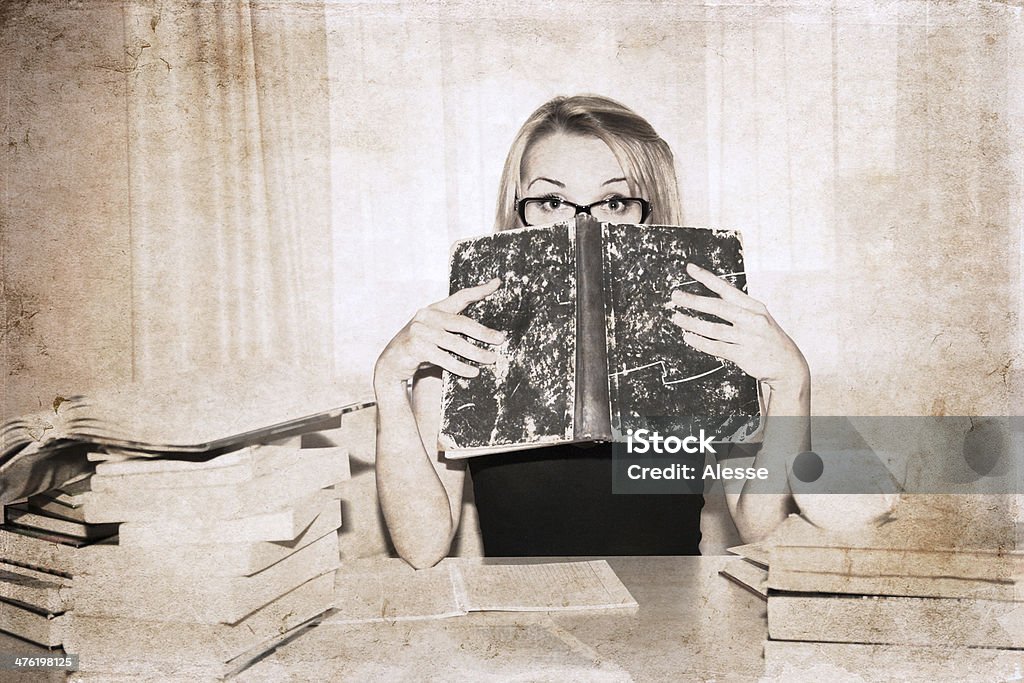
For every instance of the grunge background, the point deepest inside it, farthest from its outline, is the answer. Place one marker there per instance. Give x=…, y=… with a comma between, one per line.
x=189, y=184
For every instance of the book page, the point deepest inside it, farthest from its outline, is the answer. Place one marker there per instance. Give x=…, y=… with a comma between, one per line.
x=541, y=587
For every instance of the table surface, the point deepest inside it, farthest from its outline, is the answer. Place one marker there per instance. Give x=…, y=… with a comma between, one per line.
x=691, y=624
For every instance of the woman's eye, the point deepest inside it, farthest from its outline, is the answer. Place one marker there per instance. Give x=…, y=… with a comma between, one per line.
x=552, y=204
x=619, y=206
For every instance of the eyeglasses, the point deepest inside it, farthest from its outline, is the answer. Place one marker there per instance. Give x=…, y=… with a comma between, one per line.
x=540, y=210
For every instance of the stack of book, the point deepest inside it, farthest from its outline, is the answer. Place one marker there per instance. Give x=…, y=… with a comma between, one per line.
x=892, y=595
x=39, y=544
x=220, y=490
x=216, y=560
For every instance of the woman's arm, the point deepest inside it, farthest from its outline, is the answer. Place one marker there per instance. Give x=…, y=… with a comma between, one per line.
x=754, y=341
x=420, y=491
x=759, y=505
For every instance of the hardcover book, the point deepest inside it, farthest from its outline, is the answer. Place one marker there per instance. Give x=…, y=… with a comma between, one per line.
x=37, y=589
x=23, y=515
x=591, y=351
x=309, y=470
x=108, y=638
x=218, y=599
x=911, y=555
x=198, y=562
x=47, y=551
x=894, y=620
x=33, y=625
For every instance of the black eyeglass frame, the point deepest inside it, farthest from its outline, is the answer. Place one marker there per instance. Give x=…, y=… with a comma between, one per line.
x=645, y=206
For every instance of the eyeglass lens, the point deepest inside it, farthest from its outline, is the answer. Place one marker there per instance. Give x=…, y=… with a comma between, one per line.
x=549, y=210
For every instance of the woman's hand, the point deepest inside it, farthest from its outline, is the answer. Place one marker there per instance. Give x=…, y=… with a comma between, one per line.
x=432, y=337
x=750, y=338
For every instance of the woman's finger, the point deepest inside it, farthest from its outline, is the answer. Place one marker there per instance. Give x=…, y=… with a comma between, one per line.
x=711, y=346
x=707, y=304
x=718, y=285
x=725, y=333
x=447, y=361
x=454, y=322
x=471, y=328
x=464, y=297
x=456, y=344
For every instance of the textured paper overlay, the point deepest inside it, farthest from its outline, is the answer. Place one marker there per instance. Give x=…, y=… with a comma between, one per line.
x=877, y=138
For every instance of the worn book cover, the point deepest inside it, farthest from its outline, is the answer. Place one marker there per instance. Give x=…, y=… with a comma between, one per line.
x=591, y=350
x=528, y=396
x=33, y=625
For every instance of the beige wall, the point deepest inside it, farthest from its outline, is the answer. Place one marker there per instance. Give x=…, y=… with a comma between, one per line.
x=64, y=237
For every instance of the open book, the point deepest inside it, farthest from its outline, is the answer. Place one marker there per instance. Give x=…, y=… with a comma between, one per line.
x=390, y=590
x=197, y=412
x=193, y=416
x=591, y=351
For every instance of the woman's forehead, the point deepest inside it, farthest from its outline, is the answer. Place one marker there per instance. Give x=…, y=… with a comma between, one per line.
x=577, y=162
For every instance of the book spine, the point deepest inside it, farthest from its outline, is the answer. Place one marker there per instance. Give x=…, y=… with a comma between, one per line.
x=789, y=661
x=894, y=620
x=966, y=565
x=891, y=585
x=592, y=419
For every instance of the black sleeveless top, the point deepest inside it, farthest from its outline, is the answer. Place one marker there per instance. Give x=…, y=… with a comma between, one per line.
x=559, y=501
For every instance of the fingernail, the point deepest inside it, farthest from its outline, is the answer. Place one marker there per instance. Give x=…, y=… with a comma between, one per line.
x=693, y=266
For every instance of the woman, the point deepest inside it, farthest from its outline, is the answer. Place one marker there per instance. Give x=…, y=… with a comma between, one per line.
x=574, y=154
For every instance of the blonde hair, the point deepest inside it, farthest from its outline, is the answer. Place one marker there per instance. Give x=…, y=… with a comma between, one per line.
x=645, y=158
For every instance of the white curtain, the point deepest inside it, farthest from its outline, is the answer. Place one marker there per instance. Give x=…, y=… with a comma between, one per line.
x=230, y=190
